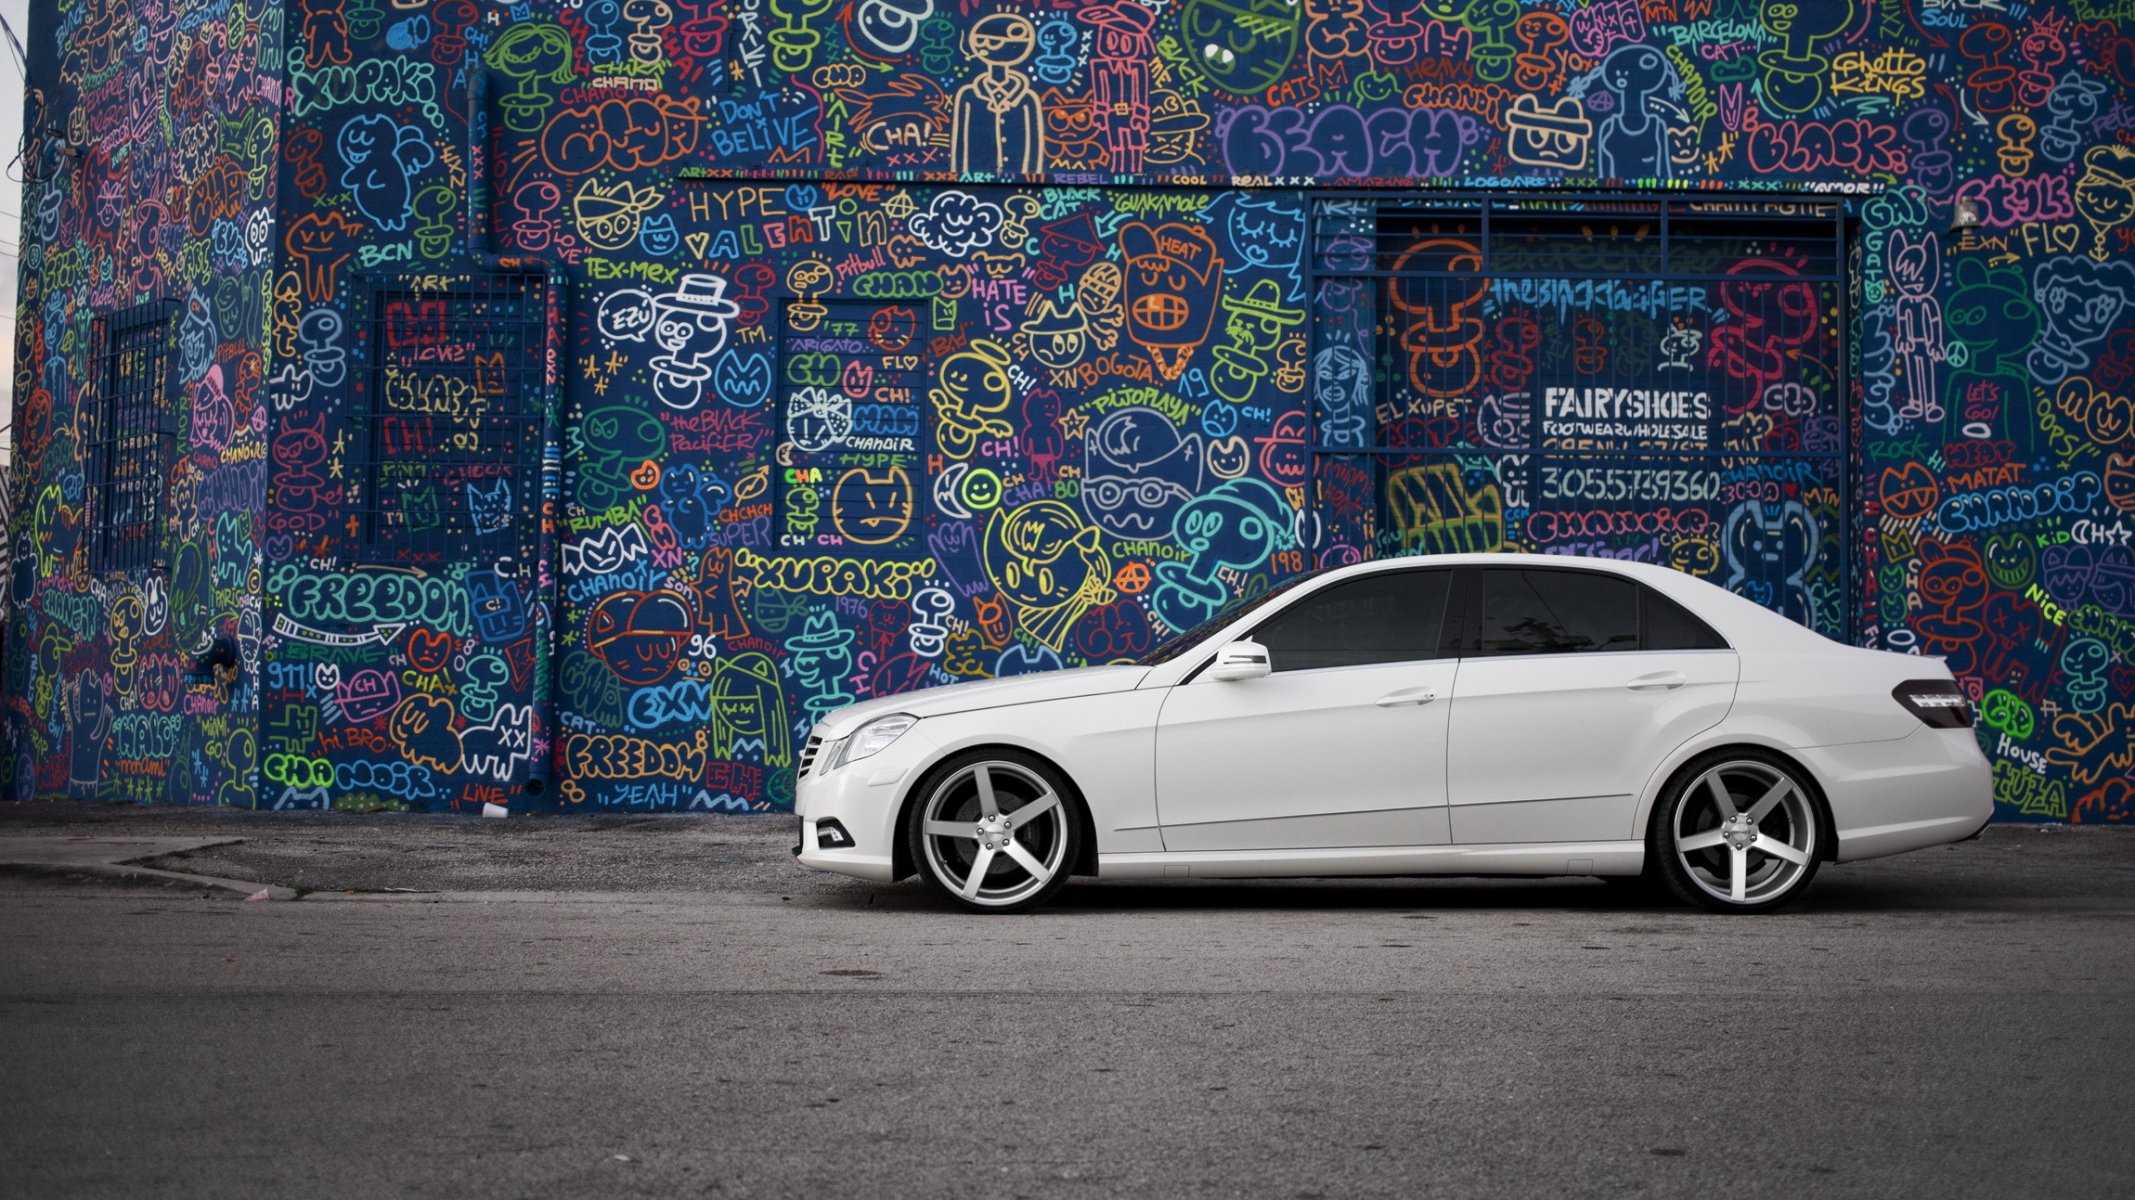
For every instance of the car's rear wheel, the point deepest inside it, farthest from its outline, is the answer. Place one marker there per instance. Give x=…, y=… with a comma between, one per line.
x=995, y=831
x=1739, y=832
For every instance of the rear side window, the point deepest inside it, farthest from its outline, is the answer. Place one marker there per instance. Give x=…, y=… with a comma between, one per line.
x=1556, y=612
x=1669, y=626
x=1392, y=617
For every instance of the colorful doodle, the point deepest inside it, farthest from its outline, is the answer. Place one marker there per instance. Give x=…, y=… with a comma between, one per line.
x=573, y=401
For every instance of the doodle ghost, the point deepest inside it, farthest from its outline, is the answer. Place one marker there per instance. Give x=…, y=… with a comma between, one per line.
x=1264, y=233
x=380, y=158
x=1990, y=314
x=2072, y=106
x=1138, y=471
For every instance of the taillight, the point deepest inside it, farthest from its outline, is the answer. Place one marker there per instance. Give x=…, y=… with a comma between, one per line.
x=1937, y=702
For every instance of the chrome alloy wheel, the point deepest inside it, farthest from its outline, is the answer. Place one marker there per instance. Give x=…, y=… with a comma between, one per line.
x=994, y=833
x=1744, y=832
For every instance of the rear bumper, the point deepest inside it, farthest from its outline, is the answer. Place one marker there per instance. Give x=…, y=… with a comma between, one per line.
x=1928, y=788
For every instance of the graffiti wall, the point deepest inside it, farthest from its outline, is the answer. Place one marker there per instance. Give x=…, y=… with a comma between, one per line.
x=805, y=351
x=135, y=677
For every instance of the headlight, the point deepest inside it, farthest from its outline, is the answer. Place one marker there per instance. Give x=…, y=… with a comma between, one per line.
x=875, y=737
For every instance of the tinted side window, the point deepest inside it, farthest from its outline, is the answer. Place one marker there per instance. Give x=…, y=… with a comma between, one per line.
x=1557, y=612
x=1376, y=619
x=1670, y=626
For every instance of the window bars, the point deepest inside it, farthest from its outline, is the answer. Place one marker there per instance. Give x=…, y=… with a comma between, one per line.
x=130, y=460
x=449, y=412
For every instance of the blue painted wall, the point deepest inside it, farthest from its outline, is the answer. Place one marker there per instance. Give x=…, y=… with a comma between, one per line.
x=906, y=341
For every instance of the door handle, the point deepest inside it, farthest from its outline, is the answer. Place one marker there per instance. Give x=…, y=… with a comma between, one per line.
x=1414, y=695
x=1658, y=681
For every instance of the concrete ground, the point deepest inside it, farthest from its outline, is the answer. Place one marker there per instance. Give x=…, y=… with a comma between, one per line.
x=662, y=1006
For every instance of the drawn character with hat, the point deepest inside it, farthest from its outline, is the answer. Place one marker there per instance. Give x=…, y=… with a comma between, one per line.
x=691, y=324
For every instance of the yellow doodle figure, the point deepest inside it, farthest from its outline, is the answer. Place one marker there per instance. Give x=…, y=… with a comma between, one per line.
x=1050, y=567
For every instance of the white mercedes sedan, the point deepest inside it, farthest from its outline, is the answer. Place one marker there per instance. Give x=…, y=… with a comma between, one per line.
x=1456, y=715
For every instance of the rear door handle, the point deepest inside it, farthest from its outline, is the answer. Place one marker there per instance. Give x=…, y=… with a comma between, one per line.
x=1414, y=695
x=1658, y=681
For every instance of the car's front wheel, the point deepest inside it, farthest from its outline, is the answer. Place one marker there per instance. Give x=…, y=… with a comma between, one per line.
x=1738, y=832
x=995, y=831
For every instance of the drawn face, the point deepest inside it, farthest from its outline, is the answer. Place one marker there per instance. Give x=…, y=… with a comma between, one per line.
x=1040, y=555
x=1002, y=39
x=2105, y=195
x=639, y=635
x=1139, y=472
x=1242, y=46
x=499, y=610
x=1636, y=72
x=1265, y=233
x=1172, y=282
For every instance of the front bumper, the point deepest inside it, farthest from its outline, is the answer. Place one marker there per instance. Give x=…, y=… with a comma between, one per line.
x=862, y=798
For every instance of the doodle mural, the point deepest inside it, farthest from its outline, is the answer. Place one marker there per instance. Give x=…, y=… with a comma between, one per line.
x=154, y=187
x=574, y=400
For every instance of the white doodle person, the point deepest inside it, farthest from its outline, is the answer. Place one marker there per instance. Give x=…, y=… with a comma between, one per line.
x=691, y=324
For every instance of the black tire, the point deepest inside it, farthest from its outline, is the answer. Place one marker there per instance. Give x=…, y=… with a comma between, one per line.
x=1738, y=831
x=1020, y=860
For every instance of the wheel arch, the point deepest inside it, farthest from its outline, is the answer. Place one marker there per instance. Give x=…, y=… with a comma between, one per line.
x=901, y=864
x=1684, y=762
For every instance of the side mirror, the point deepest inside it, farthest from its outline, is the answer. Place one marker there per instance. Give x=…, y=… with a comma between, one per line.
x=1239, y=660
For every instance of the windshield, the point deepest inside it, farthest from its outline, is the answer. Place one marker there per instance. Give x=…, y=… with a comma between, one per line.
x=1180, y=643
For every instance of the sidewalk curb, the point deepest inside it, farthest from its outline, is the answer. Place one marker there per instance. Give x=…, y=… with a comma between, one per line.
x=17, y=854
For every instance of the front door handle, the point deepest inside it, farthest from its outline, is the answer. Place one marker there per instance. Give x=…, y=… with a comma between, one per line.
x=1414, y=695
x=1657, y=682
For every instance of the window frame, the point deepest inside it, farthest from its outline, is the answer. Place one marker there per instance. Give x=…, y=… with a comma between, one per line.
x=115, y=458
x=1471, y=600
x=1446, y=650
x=463, y=302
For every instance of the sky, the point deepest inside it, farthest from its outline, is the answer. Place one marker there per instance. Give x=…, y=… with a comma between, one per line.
x=17, y=13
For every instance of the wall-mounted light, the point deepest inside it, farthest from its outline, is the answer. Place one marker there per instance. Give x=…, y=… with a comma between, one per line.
x=1966, y=219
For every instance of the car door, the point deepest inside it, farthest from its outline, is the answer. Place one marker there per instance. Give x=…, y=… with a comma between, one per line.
x=1574, y=685
x=1342, y=744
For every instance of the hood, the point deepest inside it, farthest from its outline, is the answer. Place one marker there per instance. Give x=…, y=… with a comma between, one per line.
x=986, y=693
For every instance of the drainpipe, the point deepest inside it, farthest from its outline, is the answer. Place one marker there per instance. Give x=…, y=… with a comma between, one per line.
x=546, y=583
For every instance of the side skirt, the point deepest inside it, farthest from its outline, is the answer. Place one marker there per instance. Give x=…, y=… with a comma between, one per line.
x=1532, y=858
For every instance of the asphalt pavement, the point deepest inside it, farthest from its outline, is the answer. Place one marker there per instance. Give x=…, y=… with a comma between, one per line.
x=664, y=1006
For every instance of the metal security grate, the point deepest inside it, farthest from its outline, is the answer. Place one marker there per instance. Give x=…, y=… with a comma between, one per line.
x=130, y=459
x=450, y=412
x=856, y=376
x=1630, y=374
